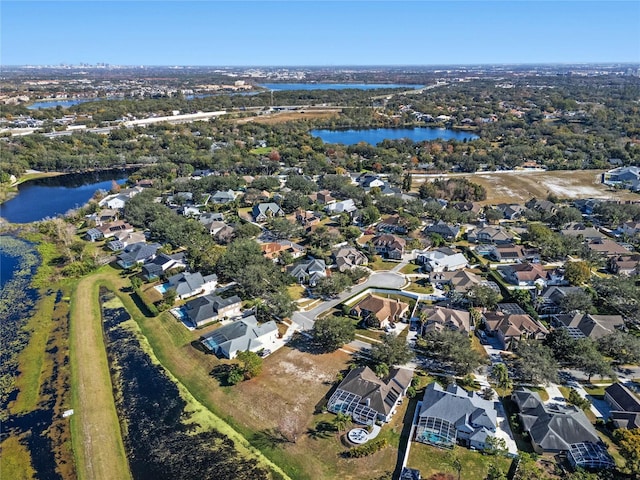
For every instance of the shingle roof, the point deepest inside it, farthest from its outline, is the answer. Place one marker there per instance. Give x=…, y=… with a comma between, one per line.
x=241, y=335
x=203, y=308
x=458, y=407
x=553, y=427
x=624, y=397
x=381, y=394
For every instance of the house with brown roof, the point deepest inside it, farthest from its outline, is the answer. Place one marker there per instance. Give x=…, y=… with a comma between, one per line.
x=624, y=264
x=379, y=312
x=608, y=247
x=581, y=325
x=525, y=274
x=367, y=398
x=441, y=318
x=461, y=281
x=347, y=258
x=274, y=250
x=389, y=246
x=307, y=218
x=323, y=197
x=511, y=329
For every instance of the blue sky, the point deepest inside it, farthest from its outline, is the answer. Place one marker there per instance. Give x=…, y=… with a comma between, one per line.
x=318, y=33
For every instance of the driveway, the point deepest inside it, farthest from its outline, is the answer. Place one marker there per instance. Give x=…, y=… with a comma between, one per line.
x=599, y=407
x=392, y=280
x=555, y=395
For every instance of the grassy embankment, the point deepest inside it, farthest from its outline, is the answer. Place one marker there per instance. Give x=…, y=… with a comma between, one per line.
x=97, y=441
x=175, y=336
x=15, y=461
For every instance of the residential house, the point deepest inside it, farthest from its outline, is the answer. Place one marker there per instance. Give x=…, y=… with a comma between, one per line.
x=442, y=260
x=118, y=200
x=495, y=235
x=190, y=284
x=446, y=231
x=180, y=198
x=468, y=207
x=347, y=258
x=242, y=335
x=625, y=406
x=323, y=197
x=389, y=246
x=630, y=228
x=580, y=230
x=347, y=206
x=380, y=312
x=368, y=181
x=510, y=211
x=410, y=474
x=392, y=224
x=550, y=300
x=108, y=230
x=503, y=253
x=544, y=206
x=223, y=197
x=125, y=238
x=460, y=281
x=264, y=211
x=309, y=271
x=308, y=218
x=581, y=325
x=274, y=250
x=367, y=398
x=162, y=263
x=106, y=215
x=211, y=308
x=555, y=428
x=453, y=415
x=627, y=265
x=525, y=274
x=137, y=253
x=441, y=318
x=608, y=247
x=510, y=329
x=628, y=177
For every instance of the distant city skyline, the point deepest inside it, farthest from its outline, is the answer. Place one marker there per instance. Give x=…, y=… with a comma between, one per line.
x=311, y=33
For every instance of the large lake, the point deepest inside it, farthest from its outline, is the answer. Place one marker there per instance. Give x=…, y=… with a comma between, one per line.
x=374, y=136
x=49, y=197
x=336, y=86
x=60, y=103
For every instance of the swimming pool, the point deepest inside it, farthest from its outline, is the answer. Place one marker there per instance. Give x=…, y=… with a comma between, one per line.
x=162, y=288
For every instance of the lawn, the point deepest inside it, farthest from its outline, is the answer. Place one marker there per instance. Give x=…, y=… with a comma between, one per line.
x=380, y=264
x=420, y=286
x=431, y=460
x=261, y=150
x=97, y=442
x=410, y=268
x=296, y=291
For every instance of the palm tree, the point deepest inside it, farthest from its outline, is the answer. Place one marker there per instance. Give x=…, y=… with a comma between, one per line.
x=341, y=421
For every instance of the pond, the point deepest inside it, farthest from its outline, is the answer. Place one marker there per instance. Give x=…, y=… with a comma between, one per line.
x=336, y=86
x=374, y=136
x=52, y=196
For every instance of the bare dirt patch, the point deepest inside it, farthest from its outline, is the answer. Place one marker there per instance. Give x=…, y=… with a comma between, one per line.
x=518, y=187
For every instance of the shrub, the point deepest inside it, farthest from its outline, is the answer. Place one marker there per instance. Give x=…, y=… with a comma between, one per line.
x=367, y=449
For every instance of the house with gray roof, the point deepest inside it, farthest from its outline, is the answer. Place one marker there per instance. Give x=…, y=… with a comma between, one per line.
x=137, y=253
x=348, y=258
x=161, y=264
x=625, y=406
x=624, y=176
x=211, y=308
x=309, y=271
x=264, y=211
x=446, y=231
x=494, y=235
x=221, y=197
x=242, y=335
x=189, y=284
x=453, y=415
x=367, y=398
x=557, y=428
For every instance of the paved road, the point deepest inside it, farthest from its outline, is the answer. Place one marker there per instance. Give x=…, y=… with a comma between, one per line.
x=376, y=280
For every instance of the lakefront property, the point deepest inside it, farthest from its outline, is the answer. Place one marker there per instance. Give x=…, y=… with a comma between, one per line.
x=317, y=310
